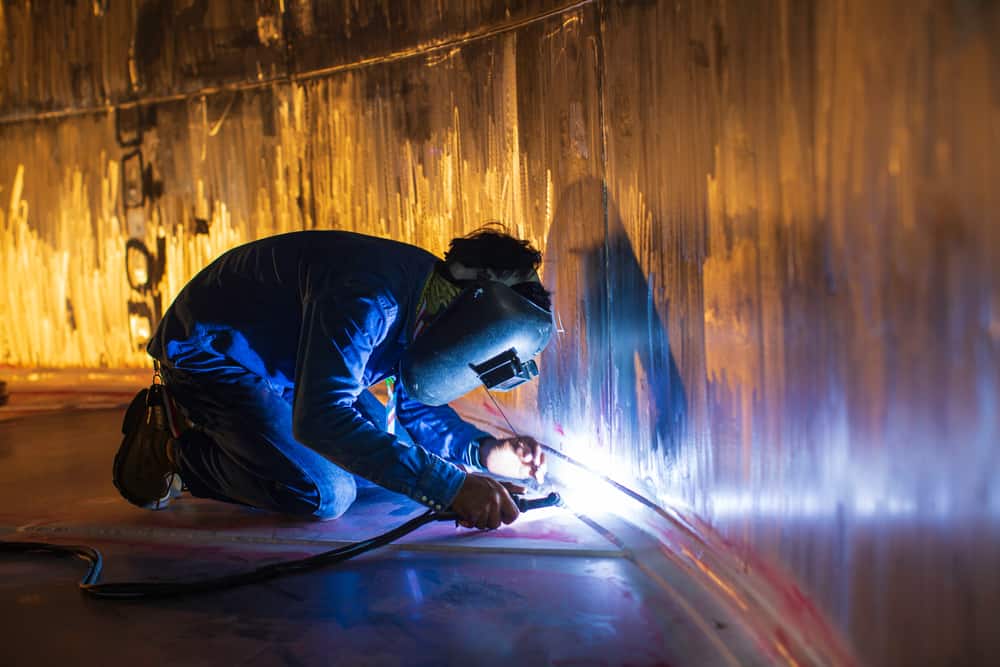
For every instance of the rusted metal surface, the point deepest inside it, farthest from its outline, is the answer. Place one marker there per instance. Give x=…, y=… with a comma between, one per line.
x=771, y=229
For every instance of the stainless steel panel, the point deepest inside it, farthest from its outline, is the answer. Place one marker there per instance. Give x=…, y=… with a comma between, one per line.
x=770, y=227
x=807, y=190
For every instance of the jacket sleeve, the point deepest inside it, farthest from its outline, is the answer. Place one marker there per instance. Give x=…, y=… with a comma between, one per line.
x=340, y=329
x=439, y=429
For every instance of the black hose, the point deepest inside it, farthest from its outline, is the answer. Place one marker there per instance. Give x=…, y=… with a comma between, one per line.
x=165, y=589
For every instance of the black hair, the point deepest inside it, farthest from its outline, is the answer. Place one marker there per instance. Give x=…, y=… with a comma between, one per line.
x=491, y=247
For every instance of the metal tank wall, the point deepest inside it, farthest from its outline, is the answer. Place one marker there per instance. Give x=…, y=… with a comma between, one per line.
x=770, y=228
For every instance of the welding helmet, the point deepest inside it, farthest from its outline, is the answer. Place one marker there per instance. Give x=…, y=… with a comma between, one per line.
x=487, y=335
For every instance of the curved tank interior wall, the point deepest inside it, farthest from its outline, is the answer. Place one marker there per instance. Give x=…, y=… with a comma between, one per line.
x=771, y=229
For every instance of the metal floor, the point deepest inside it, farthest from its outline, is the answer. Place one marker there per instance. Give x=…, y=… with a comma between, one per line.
x=551, y=589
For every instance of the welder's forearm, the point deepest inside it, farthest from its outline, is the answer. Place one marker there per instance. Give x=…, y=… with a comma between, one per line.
x=353, y=443
x=472, y=454
x=439, y=429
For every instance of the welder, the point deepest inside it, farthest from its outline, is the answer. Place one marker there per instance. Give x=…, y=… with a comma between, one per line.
x=266, y=359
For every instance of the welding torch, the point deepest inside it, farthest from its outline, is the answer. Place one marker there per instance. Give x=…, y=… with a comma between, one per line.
x=525, y=504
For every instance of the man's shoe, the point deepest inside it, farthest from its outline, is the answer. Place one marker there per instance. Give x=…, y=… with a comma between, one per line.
x=142, y=471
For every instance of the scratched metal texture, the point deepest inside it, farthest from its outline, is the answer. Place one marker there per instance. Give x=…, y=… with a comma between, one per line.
x=60, y=56
x=771, y=229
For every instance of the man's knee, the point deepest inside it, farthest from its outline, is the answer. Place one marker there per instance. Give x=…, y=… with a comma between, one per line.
x=336, y=494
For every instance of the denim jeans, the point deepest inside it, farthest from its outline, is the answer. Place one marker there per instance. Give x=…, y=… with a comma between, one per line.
x=242, y=450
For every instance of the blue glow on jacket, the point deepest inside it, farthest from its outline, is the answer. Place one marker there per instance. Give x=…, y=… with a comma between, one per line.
x=322, y=316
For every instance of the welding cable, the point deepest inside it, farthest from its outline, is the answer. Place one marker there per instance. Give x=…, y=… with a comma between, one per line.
x=163, y=589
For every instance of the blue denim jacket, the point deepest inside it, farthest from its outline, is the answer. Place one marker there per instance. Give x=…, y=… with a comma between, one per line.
x=322, y=316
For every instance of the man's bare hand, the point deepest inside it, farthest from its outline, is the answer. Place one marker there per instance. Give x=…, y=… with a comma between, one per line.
x=485, y=503
x=513, y=457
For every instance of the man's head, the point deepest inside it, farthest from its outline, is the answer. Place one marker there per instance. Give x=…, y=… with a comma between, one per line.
x=482, y=317
x=490, y=253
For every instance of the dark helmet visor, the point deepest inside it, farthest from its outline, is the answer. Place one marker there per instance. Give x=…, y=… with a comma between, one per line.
x=488, y=335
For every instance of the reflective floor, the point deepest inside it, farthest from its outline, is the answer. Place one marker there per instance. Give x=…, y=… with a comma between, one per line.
x=554, y=588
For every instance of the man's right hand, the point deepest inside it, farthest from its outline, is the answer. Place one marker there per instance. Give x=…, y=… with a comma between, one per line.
x=485, y=503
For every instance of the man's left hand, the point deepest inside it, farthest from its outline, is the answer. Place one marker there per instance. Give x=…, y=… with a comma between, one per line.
x=513, y=457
